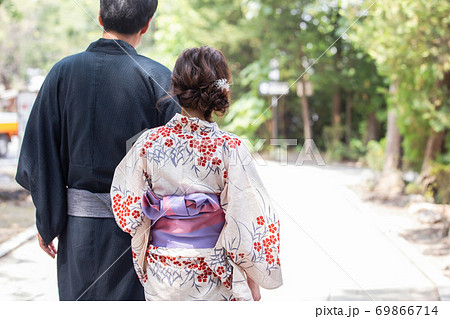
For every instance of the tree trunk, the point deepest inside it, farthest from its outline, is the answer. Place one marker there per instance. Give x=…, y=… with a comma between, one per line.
x=372, y=123
x=435, y=143
x=336, y=112
x=304, y=101
x=433, y=148
x=338, y=63
x=6, y=82
x=283, y=118
x=305, y=112
x=348, y=118
x=391, y=183
x=392, y=156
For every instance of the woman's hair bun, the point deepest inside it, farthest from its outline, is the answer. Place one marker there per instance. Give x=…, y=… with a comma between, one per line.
x=194, y=81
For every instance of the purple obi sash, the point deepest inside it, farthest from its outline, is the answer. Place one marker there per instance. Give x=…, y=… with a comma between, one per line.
x=191, y=221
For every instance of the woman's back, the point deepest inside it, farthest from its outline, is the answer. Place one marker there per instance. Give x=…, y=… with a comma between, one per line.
x=203, y=226
x=188, y=156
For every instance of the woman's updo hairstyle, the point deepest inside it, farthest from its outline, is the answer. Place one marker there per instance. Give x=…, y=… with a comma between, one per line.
x=194, y=81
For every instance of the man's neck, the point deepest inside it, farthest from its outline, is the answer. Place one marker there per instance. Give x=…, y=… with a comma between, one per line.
x=133, y=39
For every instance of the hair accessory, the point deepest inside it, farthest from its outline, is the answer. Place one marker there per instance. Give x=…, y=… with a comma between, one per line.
x=222, y=84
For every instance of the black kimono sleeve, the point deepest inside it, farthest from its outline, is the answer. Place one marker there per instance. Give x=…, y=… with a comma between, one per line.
x=166, y=104
x=40, y=169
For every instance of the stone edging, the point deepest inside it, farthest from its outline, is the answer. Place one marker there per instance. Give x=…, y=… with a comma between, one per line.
x=18, y=240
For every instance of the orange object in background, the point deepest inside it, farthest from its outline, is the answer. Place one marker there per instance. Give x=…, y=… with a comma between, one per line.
x=9, y=126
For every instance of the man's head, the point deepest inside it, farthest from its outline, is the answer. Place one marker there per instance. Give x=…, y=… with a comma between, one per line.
x=126, y=16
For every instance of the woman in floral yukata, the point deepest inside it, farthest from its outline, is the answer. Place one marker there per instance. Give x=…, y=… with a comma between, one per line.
x=203, y=226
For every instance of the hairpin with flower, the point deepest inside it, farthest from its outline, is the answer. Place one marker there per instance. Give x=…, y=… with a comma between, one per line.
x=222, y=84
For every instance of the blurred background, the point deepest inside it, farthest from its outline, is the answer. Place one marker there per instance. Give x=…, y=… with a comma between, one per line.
x=368, y=81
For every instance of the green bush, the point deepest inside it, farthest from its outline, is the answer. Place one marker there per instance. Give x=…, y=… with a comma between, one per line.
x=335, y=149
x=413, y=188
x=441, y=184
x=375, y=154
x=357, y=149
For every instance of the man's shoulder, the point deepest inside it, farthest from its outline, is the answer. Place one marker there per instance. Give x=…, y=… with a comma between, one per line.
x=68, y=61
x=151, y=65
x=64, y=65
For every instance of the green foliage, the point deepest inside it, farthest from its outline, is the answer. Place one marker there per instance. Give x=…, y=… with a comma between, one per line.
x=441, y=185
x=40, y=33
x=335, y=149
x=11, y=8
x=356, y=150
x=245, y=108
x=409, y=41
x=413, y=188
x=375, y=154
x=339, y=151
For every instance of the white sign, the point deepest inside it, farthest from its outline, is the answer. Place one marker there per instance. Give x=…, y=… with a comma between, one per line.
x=273, y=88
x=308, y=86
x=25, y=101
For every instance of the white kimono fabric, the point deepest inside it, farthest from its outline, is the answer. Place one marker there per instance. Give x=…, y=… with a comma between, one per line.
x=188, y=156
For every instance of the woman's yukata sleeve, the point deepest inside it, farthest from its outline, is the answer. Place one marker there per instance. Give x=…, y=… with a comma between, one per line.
x=251, y=236
x=128, y=185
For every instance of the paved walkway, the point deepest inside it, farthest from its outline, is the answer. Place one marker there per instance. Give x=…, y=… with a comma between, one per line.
x=27, y=273
x=330, y=248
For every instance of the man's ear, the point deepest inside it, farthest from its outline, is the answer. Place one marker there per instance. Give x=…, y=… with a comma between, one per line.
x=100, y=18
x=145, y=29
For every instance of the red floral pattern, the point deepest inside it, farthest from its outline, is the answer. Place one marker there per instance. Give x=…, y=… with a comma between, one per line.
x=123, y=207
x=168, y=143
x=168, y=268
x=269, y=245
x=194, y=127
x=266, y=243
x=205, y=147
x=260, y=220
x=148, y=144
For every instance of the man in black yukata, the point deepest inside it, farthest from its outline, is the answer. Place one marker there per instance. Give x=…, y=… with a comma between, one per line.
x=90, y=104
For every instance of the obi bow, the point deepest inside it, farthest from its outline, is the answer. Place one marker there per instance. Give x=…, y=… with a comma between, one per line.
x=178, y=207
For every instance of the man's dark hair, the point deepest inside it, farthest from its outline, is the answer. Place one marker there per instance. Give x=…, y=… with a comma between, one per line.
x=126, y=16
